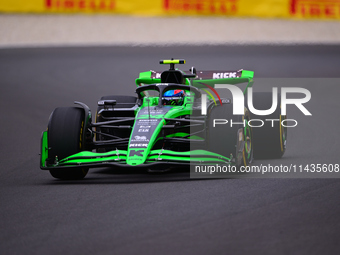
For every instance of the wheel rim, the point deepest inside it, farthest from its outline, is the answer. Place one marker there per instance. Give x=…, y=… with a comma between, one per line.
x=283, y=133
x=248, y=147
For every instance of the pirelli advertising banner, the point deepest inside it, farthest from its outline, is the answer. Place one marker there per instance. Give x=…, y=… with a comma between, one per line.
x=300, y=9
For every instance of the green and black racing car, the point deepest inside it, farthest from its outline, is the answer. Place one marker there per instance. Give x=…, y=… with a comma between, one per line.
x=176, y=119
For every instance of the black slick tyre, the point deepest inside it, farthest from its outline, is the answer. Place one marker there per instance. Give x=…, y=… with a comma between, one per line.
x=232, y=139
x=270, y=139
x=65, y=132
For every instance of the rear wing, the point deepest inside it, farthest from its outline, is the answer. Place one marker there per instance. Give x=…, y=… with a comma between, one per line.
x=203, y=78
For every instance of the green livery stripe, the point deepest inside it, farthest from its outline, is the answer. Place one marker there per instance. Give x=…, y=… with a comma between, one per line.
x=44, y=149
x=247, y=74
x=187, y=153
x=145, y=77
x=181, y=134
x=92, y=160
x=94, y=155
x=88, y=157
x=188, y=159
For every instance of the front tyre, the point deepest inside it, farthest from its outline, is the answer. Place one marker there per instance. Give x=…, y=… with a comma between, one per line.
x=65, y=138
x=232, y=136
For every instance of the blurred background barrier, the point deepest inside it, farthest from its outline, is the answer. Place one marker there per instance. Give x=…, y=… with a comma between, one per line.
x=296, y=9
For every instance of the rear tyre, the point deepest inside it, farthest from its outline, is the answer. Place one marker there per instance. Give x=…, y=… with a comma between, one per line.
x=269, y=141
x=65, y=132
x=232, y=141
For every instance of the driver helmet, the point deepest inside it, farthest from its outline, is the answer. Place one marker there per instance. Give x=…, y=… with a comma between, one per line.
x=173, y=97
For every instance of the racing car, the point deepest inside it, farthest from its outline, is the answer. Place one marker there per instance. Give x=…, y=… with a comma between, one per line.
x=171, y=122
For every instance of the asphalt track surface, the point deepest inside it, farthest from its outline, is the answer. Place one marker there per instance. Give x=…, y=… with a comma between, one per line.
x=128, y=212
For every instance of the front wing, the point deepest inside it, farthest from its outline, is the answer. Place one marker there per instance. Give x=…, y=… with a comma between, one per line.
x=119, y=158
